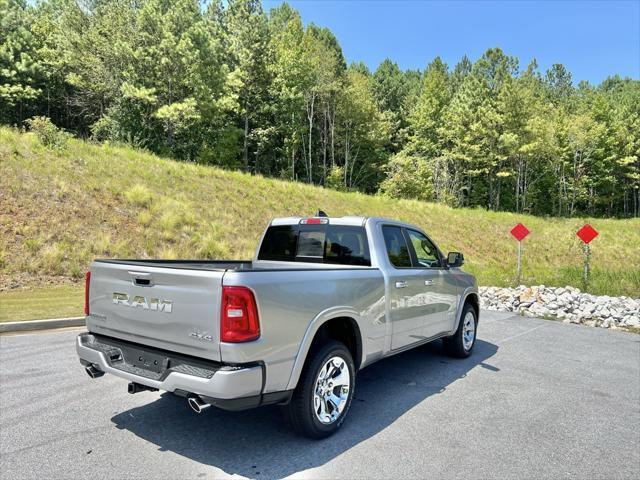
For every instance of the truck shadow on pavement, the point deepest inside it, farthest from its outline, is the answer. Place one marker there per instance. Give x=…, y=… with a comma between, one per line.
x=257, y=443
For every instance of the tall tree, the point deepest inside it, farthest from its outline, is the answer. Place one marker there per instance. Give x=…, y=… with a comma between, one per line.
x=390, y=91
x=20, y=70
x=249, y=55
x=363, y=133
x=221, y=82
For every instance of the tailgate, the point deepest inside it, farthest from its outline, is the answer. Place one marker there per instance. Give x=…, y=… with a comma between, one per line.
x=175, y=309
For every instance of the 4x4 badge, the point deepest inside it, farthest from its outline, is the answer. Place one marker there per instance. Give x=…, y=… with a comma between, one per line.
x=201, y=336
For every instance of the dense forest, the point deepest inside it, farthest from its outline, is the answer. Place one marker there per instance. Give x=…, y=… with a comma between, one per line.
x=231, y=85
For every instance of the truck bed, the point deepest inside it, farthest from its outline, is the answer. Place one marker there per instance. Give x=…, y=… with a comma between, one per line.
x=175, y=304
x=230, y=265
x=212, y=265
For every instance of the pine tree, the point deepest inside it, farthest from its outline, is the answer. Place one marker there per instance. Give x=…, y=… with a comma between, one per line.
x=20, y=69
x=249, y=53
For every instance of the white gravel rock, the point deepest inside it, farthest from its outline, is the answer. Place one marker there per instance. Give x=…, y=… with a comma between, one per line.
x=567, y=303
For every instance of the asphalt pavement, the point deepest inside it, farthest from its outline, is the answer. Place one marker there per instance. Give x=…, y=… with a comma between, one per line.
x=537, y=399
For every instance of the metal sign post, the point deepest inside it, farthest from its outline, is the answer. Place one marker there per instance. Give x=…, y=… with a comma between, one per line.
x=519, y=274
x=587, y=233
x=585, y=273
x=519, y=232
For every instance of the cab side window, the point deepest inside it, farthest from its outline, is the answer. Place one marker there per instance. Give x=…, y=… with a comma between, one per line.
x=397, y=248
x=426, y=252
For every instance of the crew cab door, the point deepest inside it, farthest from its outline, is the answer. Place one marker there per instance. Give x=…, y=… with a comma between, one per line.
x=440, y=290
x=408, y=296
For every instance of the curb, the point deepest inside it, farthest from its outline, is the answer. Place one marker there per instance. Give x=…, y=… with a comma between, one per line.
x=41, y=324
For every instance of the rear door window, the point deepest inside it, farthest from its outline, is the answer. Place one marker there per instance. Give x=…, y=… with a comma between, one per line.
x=346, y=245
x=279, y=243
x=397, y=248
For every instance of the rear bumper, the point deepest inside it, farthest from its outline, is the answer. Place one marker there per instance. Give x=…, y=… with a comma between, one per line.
x=219, y=383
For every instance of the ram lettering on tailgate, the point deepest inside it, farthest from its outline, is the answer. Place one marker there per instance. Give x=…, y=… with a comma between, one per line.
x=154, y=304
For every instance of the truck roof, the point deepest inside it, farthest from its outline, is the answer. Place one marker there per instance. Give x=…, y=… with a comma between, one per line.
x=347, y=220
x=356, y=221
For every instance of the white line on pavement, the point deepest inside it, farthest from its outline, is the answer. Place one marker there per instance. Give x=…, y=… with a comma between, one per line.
x=520, y=334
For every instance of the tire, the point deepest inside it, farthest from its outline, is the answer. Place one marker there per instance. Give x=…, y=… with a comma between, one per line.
x=457, y=345
x=308, y=396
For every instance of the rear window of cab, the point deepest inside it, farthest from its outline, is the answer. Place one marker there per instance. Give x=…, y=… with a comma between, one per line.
x=324, y=243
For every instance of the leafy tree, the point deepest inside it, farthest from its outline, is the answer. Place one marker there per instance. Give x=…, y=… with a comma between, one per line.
x=290, y=81
x=225, y=83
x=408, y=176
x=426, y=117
x=363, y=132
x=249, y=54
x=20, y=70
x=472, y=131
x=559, y=84
x=390, y=91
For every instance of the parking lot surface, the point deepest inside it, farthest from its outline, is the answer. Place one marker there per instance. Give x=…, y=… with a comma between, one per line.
x=537, y=399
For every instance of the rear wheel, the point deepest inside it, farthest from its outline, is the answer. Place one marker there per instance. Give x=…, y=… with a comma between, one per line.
x=461, y=343
x=323, y=396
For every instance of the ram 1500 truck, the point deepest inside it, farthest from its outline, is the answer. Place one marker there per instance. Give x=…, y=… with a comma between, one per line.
x=322, y=299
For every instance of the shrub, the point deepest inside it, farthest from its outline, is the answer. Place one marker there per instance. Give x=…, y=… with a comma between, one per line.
x=145, y=218
x=211, y=247
x=76, y=271
x=335, y=179
x=48, y=134
x=52, y=258
x=105, y=129
x=167, y=253
x=139, y=195
x=174, y=215
x=408, y=177
x=33, y=245
x=100, y=244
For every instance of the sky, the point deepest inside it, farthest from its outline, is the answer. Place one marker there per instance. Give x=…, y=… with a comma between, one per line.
x=593, y=39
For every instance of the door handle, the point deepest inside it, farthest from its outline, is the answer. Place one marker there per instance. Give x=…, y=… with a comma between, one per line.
x=428, y=283
x=401, y=284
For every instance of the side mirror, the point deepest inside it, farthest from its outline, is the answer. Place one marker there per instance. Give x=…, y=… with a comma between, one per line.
x=455, y=259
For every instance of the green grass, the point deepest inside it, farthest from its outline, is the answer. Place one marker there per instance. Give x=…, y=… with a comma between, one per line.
x=57, y=301
x=60, y=208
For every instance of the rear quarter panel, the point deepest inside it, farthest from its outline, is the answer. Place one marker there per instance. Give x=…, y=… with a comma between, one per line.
x=290, y=302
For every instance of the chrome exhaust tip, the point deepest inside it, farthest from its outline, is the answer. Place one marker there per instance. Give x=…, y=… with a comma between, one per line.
x=197, y=404
x=93, y=372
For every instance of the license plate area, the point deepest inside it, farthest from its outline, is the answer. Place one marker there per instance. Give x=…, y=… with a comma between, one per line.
x=146, y=360
x=149, y=362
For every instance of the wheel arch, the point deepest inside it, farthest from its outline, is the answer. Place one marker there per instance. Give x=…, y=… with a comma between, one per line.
x=339, y=324
x=470, y=296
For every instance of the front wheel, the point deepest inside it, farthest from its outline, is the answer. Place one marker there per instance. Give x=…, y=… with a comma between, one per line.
x=323, y=396
x=461, y=343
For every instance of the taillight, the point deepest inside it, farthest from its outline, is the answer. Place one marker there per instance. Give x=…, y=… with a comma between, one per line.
x=87, y=282
x=239, y=317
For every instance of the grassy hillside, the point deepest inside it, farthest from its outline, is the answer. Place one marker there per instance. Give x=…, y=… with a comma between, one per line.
x=61, y=208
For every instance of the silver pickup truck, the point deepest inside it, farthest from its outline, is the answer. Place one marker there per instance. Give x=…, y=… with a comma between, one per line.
x=322, y=299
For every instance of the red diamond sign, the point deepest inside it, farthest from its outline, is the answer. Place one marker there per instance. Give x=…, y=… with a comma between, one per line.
x=519, y=231
x=587, y=233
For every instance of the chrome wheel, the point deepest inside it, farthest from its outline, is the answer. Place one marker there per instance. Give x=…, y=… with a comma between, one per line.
x=468, y=331
x=332, y=390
